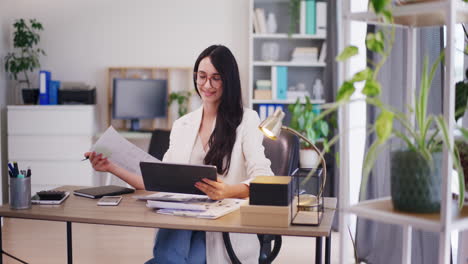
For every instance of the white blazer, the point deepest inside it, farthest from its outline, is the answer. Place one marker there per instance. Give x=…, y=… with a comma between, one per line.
x=247, y=161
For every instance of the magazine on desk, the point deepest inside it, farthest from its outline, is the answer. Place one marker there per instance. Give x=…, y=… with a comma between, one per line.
x=199, y=206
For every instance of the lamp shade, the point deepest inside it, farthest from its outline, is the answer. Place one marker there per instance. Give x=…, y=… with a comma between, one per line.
x=271, y=126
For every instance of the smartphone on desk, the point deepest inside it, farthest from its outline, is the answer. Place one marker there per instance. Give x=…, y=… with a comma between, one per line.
x=109, y=200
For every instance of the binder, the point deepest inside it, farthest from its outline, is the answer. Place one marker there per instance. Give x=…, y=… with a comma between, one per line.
x=262, y=109
x=282, y=83
x=53, y=92
x=271, y=109
x=311, y=17
x=321, y=23
x=98, y=192
x=44, y=79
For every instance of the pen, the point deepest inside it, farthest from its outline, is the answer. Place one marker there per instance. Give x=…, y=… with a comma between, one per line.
x=15, y=164
x=11, y=168
x=85, y=159
x=28, y=174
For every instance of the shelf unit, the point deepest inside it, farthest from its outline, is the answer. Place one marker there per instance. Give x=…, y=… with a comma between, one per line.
x=410, y=16
x=297, y=72
x=178, y=79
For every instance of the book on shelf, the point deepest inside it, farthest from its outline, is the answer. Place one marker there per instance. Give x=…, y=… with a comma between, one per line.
x=282, y=82
x=261, y=20
x=255, y=22
x=302, y=18
x=321, y=18
x=323, y=52
x=311, y=17
x=304, y=54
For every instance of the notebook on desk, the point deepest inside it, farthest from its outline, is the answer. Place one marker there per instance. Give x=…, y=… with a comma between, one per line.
x=98, y=192
x=174, y=177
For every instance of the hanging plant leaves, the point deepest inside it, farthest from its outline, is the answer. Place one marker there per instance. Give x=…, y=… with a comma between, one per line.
x=375, y=42
x=346, y=90
x=362, y=75
x=371, y=88
x=347, y=53
x=461, y=98
x=384, y=125
x=379, y=5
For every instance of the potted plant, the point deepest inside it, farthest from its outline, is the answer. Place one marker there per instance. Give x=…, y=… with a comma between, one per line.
x=415, y=172
x=302, y=120
x=26, y=57
x=182, y=99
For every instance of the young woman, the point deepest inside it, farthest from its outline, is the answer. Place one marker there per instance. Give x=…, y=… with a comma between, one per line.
x=220, y=133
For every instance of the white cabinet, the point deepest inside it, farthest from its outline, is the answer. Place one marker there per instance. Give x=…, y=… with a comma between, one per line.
x=411, y=16
x=52, y=140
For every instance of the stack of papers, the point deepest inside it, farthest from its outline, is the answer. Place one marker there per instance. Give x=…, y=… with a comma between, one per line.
x=191, y=205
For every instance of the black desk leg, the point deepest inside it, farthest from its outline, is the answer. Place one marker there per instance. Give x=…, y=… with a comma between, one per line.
x=69, y=243
x=318, y=250
x=1, y=245
x=327, y=249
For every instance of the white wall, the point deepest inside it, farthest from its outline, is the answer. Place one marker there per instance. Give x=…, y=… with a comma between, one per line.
x=83, y=38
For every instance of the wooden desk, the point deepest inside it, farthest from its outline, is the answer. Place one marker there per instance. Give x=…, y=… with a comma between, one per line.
x=134, y=213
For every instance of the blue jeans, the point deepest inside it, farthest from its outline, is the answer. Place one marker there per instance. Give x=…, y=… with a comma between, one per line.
x=179, y=247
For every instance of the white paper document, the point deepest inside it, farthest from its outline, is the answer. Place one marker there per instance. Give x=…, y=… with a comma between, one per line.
x=201, y=208
x=121, y=151
x=171, y=197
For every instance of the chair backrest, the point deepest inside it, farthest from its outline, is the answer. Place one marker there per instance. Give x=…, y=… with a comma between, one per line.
x=159, y=143
x=283, y=153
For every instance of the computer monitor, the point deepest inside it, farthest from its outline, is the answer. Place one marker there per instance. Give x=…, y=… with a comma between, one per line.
x=135, y=99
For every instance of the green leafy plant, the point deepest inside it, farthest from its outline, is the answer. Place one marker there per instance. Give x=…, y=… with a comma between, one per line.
x=303, y=121
x=182, y=99
x=430, y=133
x=294, y=13
x=26, y=58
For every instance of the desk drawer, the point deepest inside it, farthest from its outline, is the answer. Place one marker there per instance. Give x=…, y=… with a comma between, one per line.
x=52, y=120
x=55, y=148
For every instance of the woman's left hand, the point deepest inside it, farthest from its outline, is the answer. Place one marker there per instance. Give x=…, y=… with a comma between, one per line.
x=216, y=190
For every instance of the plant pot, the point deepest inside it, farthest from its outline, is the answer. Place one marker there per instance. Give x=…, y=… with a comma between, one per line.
x=463, y=151
x=415, y=186
x=30, y=96
x=308, y=158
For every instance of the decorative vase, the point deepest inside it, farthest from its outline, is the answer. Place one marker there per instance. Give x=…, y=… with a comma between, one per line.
x=271, y=23
x=308, y=158
x=415, y=185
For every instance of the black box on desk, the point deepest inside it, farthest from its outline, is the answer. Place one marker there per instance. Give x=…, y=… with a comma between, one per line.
x=271, y=190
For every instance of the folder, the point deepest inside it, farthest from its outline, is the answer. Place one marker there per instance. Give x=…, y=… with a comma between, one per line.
x=44, y=80
x=53, y=92
x=262, y=109
x=311, y=17
x=282, y=82
x=321, y=21
x=98, y=192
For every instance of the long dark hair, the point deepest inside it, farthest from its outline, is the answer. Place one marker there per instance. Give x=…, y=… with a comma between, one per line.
x=230, y=109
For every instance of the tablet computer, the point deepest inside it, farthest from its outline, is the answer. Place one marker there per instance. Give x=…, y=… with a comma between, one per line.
x=174, y=177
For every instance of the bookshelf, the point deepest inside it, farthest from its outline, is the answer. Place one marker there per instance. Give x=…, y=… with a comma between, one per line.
x=411, y=16
x=280, y=69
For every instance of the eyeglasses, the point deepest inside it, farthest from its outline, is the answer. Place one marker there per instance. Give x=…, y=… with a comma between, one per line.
x=201, y=78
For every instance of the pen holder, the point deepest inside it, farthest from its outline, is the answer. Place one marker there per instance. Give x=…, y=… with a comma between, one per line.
x=20, y=193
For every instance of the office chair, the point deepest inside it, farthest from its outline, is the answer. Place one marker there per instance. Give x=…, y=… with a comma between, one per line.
x=284, y=156
x=159, y=143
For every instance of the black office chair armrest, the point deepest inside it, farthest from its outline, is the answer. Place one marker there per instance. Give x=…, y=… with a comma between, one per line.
x=264, y=258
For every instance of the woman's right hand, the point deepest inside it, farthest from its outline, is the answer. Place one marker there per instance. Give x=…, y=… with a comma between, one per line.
x=98, y=162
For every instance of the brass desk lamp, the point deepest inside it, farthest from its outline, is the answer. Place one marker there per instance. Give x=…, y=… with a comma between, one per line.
x=271, y=128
